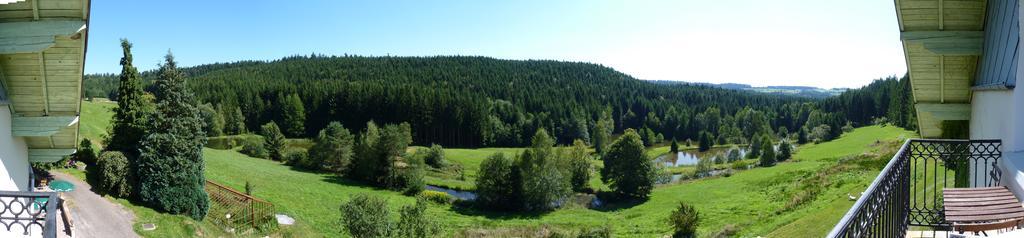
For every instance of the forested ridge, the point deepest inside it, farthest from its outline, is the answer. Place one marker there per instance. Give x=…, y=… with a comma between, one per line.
x=463, y=101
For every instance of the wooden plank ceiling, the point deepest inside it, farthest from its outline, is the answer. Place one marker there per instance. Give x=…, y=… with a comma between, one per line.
x=942, y=41
x=42, y=53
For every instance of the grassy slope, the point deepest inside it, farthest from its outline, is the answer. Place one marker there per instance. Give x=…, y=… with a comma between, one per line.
x=313, y=198
x=95, y=119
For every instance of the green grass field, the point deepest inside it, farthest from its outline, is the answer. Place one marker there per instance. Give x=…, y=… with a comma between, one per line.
x=746, y=200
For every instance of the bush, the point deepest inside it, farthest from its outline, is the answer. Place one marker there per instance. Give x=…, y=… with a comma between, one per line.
x=497, y=185
x=436, y=197
x=684, y=221
x=435, y=156
x=627, y=170
x=414, y=221
x=333, y=149
x=230, y=142
x=366, y=216
x=86, y=154
x=300, y=158
x=115, y=175
x=254, y=148
x=595, y=232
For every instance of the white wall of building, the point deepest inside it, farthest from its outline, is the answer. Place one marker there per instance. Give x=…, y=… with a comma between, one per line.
x=14, y=166
x=1013, y=130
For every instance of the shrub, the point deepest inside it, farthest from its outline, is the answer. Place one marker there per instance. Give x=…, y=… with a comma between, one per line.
x=436, y=197
x=115, y=176
x=435, y=156
x=627, y=169
x=229, y=142
x=86, y=154
x=366, y=216
x=414, y=221
x=254, y=148
x=497, y=185
x=684, y=221
x=734, y=155
x=299, y=158
x=411, y=179
x=785, y=151
x=595, y=232
x=544, y=179
x=579, y=166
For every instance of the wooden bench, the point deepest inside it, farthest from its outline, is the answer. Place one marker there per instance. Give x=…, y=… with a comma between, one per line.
x=982, y=209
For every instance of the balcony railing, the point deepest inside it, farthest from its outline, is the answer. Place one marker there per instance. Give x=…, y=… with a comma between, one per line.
x=908, y=191
x=29, y=213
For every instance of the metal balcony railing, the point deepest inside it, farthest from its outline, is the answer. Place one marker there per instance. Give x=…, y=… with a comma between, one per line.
x=908, y=191
x=29, y=212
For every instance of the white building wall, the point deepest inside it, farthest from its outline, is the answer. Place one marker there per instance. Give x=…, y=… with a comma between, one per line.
x=14, y=166
x=1013, y=128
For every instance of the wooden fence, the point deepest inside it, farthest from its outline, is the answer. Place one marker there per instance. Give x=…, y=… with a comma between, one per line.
x=238, y=212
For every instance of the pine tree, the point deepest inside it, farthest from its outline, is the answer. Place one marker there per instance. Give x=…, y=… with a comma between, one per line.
x=785, y=150
x=273, y=140
x=674, y=147
x=333, y=149
x=171, y=165
x=129, y=121
x=704, y=141
x=767, y=152
x=802, y=136
x=293, y=115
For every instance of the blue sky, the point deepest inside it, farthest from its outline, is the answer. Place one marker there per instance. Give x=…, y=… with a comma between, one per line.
x=824, y=43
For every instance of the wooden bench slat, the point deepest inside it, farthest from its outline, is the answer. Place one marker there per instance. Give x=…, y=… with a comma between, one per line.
x=981, y=203
x=983, y=212
x=977, y=227
x=1003, y=206
x=984, y=218
x=976, y=189
x=979, y=199
x=976, y=195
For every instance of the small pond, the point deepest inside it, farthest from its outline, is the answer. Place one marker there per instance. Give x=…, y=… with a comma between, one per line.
x=61, y=186
x=690, y=157
x=458, y=194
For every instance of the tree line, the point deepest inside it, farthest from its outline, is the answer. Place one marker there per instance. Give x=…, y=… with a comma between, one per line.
x=462, y=101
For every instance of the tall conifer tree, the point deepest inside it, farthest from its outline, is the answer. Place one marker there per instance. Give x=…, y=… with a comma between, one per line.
x=129, y=121
x=170, y=167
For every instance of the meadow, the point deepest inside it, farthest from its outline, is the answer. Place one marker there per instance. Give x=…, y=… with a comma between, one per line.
x=747, y=203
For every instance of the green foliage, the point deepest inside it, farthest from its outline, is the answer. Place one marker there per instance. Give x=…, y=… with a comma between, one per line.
x=129, y=124
x=848, y=127
x=381, y=159
x=603, y=130
x=544, y=181
x=85, y=154
x=333, y=149
x=436, y=197
x=705, y=142
x=213, y=122
x=767, y=152
x=115, y=177
x=684, y=221
x=366, y=216
x=579, y=166
x=756, y=143
x=228, y=142
x=498, y=183
x=249, y=188
x=435, y=156
x=802, y=137
x=734, y=154
x=253, y=147
x=170, y=168
x=627, y=169
x=785, y=150
x=273, y=141
x=301, y=159
x=414, y=222
x=234, y=121
x=293, y=115
x=674, y=147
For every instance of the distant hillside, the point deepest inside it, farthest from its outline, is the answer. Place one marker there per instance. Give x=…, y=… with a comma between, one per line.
x=801, y=91
x=462, y=101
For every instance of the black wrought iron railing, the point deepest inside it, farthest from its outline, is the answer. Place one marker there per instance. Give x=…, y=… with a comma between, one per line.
x=908, y=191
x=29, y=213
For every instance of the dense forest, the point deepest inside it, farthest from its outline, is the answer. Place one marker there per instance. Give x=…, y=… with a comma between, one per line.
x=461, y=101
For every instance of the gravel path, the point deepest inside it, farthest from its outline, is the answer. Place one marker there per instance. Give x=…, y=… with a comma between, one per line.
x=93, y=215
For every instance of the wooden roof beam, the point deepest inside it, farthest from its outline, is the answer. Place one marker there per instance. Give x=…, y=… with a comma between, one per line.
x=946, y=112
x=41, y=126
x=35, y=36
x=48, y=155
x=947, y=42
